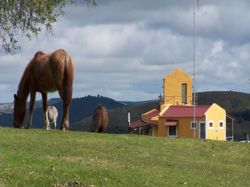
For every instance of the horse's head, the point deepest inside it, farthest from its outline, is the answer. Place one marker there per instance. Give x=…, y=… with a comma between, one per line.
x=19, y=111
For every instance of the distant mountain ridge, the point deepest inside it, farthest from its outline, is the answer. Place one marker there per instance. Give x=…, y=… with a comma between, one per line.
x=9, y=107
x=6, y=108
x=79, y=109
x=233, y=102
x=133, y=103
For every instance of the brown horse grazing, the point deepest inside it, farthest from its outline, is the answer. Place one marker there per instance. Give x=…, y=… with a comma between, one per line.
x=45, y=73
x=100, y=120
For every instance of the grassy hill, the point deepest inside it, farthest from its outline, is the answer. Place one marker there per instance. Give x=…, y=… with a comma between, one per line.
x=56, y=158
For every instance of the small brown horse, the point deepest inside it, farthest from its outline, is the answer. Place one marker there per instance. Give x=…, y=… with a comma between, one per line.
x=45, y=73
x=100, y=120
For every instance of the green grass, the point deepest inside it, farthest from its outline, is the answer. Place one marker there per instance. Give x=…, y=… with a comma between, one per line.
x=57, y=158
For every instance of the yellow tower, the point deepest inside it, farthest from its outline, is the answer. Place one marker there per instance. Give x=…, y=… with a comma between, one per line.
x=177, y=88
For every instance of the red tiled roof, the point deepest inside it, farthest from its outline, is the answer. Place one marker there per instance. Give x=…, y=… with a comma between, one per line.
x=185, y=111
x=135, y=124
x=151, y=114
x=140, y=123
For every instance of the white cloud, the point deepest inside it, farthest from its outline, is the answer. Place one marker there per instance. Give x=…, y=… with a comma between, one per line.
x=123, y=49
x=217, y=48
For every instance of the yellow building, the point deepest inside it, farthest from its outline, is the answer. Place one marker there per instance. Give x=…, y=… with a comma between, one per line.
x=177, y=88
x=178, y=117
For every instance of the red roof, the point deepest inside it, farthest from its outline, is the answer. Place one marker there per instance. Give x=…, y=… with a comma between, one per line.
x=185, y=111
x=140, y=123
x=151, y=114
x=136, y=124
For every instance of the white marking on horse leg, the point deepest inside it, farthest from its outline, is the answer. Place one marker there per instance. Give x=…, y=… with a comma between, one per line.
x=46, y=120
x=55, y=121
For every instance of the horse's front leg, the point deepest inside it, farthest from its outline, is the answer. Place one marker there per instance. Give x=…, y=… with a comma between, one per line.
x=32, y=103
x=45, y=110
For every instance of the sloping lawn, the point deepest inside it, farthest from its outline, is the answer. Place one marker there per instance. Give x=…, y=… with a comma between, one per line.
x=33, y=157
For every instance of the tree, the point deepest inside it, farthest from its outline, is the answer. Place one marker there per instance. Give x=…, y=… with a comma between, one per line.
x=27, y=18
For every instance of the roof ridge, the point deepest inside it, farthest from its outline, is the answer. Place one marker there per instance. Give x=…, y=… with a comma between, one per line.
x=185, y=111
x=190, y=106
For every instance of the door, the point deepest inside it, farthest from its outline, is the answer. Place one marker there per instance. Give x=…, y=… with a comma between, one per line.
x=172, y=131
x=202, y=130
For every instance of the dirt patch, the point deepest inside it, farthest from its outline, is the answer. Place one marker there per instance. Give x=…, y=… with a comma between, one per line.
x=71, y=184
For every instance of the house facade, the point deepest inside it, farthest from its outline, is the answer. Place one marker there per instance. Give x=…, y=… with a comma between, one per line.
x=177, y=116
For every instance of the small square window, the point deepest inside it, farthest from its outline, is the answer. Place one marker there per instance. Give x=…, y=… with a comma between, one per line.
x=193, y=125
x=221, y=124
x=211, y=124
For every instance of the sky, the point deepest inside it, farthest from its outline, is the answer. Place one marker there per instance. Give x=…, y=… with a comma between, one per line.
x=123, y=49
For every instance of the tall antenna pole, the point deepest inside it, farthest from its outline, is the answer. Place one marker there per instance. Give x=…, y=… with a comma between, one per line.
x=194, y=99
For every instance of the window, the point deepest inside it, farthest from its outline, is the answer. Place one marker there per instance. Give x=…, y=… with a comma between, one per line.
x=221, y=124
x=211, y=124
x=193, y=125
x=184, y=93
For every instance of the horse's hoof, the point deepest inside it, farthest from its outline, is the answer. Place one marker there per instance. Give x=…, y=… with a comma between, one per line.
x=46, y=128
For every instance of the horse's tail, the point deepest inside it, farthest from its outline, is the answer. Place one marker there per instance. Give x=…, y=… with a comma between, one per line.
x=68, y=77
x=105, y=119
x=100, y=122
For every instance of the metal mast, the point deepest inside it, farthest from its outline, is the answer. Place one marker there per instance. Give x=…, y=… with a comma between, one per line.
x=194, y=41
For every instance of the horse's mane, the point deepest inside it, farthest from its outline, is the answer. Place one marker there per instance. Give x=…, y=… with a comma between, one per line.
x=38, y=54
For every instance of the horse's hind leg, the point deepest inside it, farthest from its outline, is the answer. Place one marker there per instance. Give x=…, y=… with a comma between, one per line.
x=66, y=97
x=65, y=120
x=45, y=110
